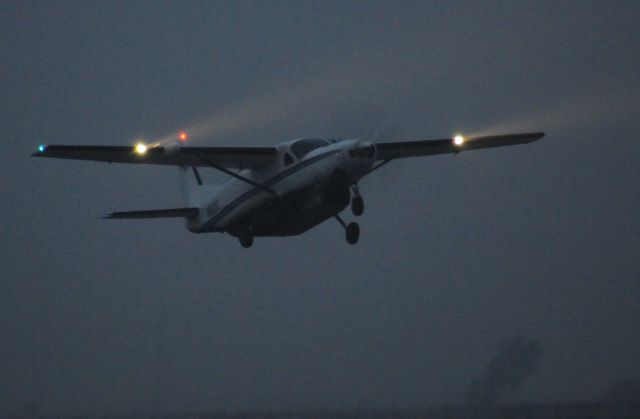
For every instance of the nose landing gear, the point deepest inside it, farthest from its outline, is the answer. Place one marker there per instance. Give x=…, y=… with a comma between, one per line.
x=357, y=203
x=352, y=230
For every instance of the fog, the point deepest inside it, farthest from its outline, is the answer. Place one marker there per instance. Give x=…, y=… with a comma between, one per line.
x=457, y=253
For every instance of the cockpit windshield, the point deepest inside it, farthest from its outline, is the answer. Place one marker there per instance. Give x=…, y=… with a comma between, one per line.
x=303, y=147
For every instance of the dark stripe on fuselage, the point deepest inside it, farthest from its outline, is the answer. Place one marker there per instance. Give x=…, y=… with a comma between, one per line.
x=274, y=180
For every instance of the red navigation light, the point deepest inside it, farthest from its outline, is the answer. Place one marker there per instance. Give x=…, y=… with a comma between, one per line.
x=183, y=136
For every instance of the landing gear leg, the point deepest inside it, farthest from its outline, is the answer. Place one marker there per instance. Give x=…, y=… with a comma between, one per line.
x=357, y=203
x=352, y=230
x=246, y=239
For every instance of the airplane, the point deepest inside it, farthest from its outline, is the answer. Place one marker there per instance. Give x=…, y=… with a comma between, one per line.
x=283, y=190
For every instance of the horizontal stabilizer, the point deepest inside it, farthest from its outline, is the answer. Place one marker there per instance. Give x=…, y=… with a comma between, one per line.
x=162, y=213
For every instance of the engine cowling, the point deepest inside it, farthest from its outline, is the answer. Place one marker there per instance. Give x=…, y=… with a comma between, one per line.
x=172, y=147
x=364, y=150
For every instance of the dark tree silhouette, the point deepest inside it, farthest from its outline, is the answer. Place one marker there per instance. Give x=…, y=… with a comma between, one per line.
x=516, y=360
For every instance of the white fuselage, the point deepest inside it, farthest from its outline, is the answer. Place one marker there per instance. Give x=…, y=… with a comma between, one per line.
x=297, y=193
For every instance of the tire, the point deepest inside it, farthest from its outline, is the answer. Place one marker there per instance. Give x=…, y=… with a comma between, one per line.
x=246, y=240
x=353, y=233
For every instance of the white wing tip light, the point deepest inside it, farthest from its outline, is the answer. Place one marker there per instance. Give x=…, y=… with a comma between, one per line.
x=141, y=149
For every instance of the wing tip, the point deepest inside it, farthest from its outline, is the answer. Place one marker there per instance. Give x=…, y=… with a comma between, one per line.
x=535, y=136
x=517, y=138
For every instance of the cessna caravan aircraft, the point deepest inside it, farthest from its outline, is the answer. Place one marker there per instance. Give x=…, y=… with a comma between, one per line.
x=283, y=190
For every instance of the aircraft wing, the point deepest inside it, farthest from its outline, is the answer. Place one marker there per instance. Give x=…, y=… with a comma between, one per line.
x=400, y=149
x=229, y=157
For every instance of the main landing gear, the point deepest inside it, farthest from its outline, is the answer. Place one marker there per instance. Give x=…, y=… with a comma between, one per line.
x=357, y=203
x=352, y=230
x=353, y=233
x=246, y=239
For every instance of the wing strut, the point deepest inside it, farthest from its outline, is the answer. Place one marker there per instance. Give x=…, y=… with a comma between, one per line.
x=242, y=178
x=377, y=166
x=197, y=175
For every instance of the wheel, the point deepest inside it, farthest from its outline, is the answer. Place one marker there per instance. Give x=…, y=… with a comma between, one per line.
x=357, y=205
x=246, y=239
x=353, y=233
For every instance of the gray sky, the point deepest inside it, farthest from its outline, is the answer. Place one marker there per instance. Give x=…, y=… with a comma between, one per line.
x=456, y=253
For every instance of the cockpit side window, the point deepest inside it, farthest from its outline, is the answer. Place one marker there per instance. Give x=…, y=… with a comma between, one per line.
x=287, y=159
x=303, y=147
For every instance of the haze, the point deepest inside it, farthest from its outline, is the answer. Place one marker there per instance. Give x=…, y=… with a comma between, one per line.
x=457, y=253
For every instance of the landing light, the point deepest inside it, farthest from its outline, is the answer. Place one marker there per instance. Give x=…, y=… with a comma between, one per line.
x=183, y=136
x=141, y=148
x=458, y=140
